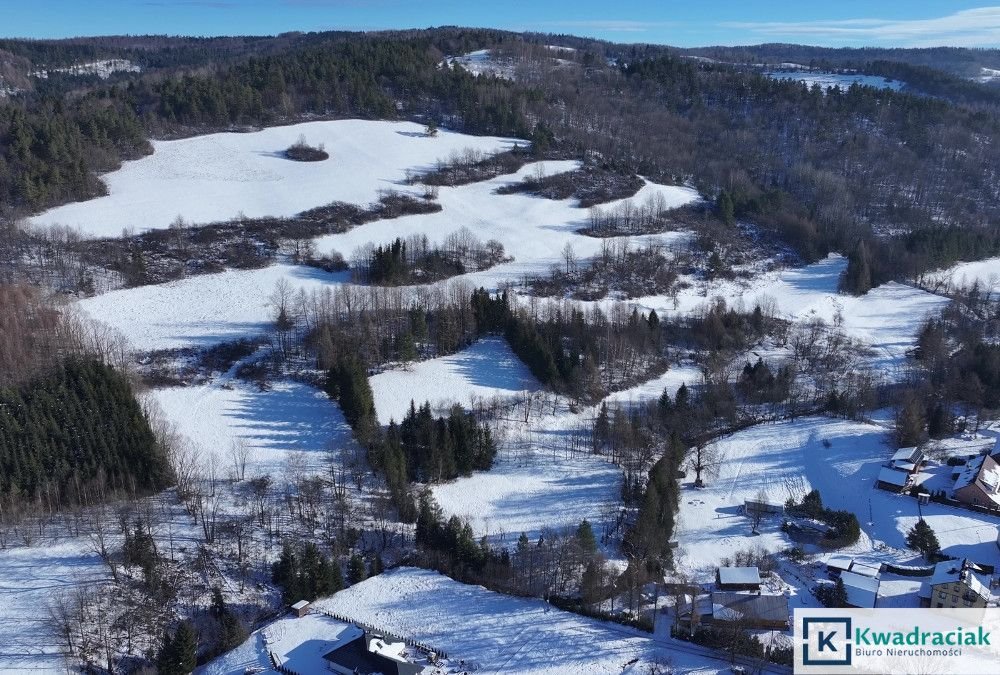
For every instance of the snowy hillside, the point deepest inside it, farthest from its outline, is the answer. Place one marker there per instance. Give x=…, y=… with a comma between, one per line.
x=839, y=80
x=839, y=458
x=218, y=176
x=488, y=368
x=984, y=272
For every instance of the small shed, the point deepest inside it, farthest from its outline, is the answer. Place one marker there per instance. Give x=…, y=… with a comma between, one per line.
x=738, y=578
x=865, y=570
x=301, y=608
x=763, y=507
x=892, y=480
x=838, y=564
x=861, y=590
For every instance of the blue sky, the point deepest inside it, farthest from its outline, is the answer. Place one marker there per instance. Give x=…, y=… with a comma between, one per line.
x=688, y=23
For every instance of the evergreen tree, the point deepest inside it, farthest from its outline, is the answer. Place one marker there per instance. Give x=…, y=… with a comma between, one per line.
x=178, y=654
x=585, y=538
x=726, y=208
x=356, y=572
x=910, y=422
x=922, y=538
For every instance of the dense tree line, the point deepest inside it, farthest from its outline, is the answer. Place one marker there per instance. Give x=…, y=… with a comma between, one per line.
x=418, y=449
x=304, y=573
x=955, y=60
x=430, y=450
x=957, y=366
x=76, y=430
x=55, y=143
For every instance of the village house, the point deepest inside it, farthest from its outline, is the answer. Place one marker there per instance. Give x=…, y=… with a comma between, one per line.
x=738, y=579
x=907, y=459
x=955, y=583
x=369, y=654
x=978, y=484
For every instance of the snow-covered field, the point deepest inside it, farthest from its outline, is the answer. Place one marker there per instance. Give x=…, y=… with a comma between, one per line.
x=103, y=69
x=486, y=369
x=287, y=420
x=29, y=579
x=536, y=483
x=985, y=272
x=494, y=633
x=533, y=230
x=482, y=62
x=203, y=310
x=839, y=80
x=787, y=460
x=219, y=176
x=686, y=373
x=887, y=318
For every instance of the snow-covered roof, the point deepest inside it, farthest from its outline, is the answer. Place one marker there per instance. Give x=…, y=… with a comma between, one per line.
x=907, y=455
x=861, y=590
x=864, y=569
x=986, y=472
x=839, y=562
x=893, y=476
x=739, y=575
x=301, y=604
x=909, y=467
x=732, y=605
x=950, y=571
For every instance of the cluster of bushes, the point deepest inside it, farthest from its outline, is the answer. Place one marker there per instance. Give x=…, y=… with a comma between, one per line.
x=845, y=529
x=589, y=186
x=301, y=151
x=618, y=269
x=759, y=384
x=414, y=260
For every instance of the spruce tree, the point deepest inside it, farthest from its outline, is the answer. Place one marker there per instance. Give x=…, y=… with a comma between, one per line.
x=356, y=571
x=922, y=538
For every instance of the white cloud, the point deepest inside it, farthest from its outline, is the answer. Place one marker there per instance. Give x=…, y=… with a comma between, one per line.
x=978, y=27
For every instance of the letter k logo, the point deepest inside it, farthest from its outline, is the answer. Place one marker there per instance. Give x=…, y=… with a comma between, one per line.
x=828, y=643
x=826, y=640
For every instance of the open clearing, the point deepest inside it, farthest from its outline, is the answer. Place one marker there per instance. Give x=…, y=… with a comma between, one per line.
x=218, y=176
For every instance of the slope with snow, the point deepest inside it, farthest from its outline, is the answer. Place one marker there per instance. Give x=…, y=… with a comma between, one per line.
x=103, y=69
x=202, y=310
x=887, y=318
x=839, y=80
x=485, y=369
x=839, y=458
x=533, y=230
x=219, y=176
x=211, y=308
x=984, y=272
x=286, y=420
x=494, y=633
